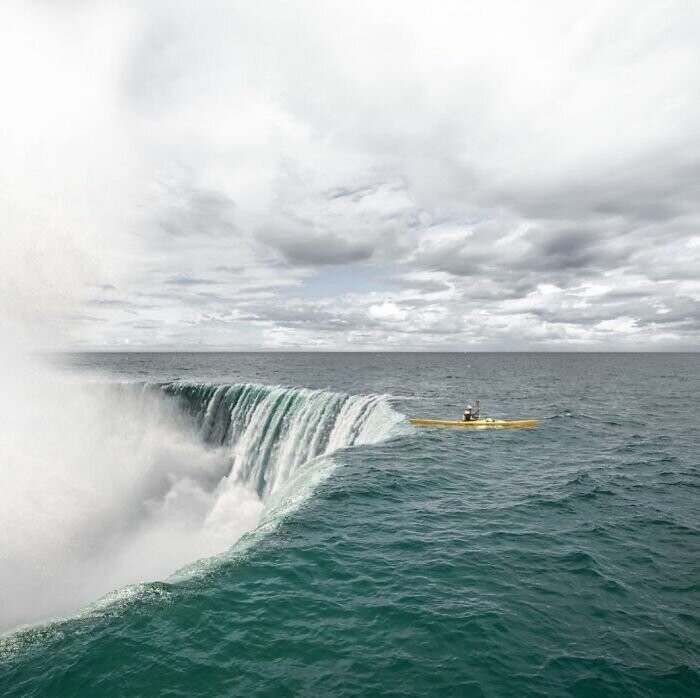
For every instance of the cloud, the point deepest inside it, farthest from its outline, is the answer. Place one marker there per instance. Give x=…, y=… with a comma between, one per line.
x=197, y=212
x=343, y=225
x=518, y=176
x=306, y=247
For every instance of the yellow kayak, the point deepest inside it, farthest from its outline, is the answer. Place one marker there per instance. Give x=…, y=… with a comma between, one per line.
x=474, y=422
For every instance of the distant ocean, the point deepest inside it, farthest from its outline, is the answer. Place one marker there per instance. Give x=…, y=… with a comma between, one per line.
x=270, y=524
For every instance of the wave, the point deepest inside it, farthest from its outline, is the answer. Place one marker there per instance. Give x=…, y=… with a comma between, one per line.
x=130, y=482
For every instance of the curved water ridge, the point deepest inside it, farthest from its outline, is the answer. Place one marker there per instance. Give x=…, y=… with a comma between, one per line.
x=272, y=431
x=148, y=478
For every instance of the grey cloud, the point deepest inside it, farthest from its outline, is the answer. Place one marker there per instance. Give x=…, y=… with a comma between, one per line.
x=290, y=315
x=574, y=248
x=191, y=281
x=110, y=302
x=502, y=286
x=659, y=188
x=557, y=252
x=155, y=65
x=311, y=248
x=198, y=212
x=424, y=285
x=684, y=316
x=228, y=269
x=377, y=219
x=352, y=193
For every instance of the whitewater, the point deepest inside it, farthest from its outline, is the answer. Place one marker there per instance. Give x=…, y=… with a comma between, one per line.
x=108, y=484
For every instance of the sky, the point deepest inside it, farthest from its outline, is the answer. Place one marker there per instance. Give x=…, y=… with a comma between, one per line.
x=323, y=175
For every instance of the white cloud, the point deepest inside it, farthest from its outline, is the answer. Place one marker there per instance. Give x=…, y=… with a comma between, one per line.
x=387, y=311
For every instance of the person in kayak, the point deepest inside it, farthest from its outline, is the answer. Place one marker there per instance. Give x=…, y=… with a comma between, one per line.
x=471, y=413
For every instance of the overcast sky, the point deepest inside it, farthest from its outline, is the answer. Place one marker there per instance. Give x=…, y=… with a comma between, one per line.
x=350, y=175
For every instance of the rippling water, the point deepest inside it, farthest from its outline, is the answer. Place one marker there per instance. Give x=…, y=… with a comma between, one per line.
x=550, y=561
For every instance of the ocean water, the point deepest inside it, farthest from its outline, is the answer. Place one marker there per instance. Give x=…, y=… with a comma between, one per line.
x=269, y=524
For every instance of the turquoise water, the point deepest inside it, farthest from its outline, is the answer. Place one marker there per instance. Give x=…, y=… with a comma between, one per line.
x=390, y=560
